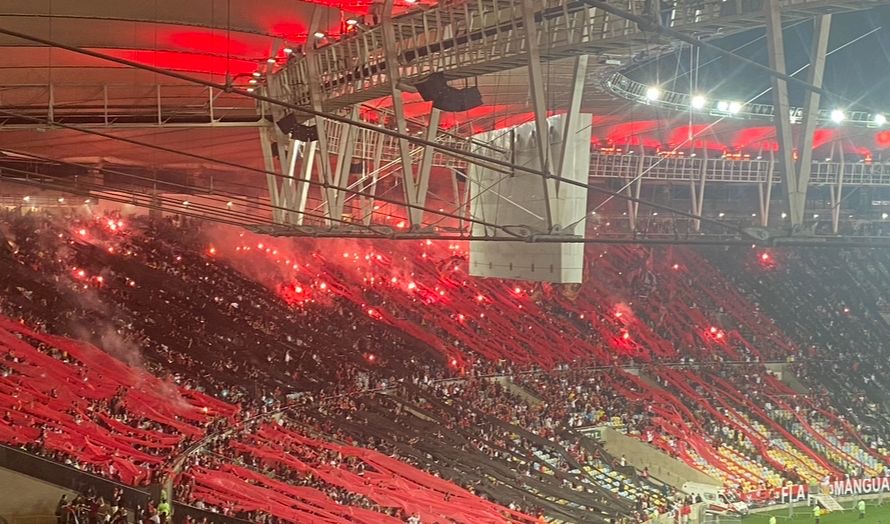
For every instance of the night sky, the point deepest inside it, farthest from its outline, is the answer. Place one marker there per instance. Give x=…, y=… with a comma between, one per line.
x=859, y=74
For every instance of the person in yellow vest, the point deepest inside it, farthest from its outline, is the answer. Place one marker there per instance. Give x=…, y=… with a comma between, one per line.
x=165, y=512
x=817, y=512
x=861, y=507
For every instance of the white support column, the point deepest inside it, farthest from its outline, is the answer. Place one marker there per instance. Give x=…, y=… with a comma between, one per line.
x=776, y=51
x=302, y=192
x=370, y=188
x=837, y=193
x=288, y=161
x=426, y=164
x=539, y=101
x=345, y=153
x=323, y=156
x=571, y=120
x=767, y=198
x=459, y=202
x=390, y=43
x=633, y=188
x=271, y=180
x=699, y=194
x=815, y=73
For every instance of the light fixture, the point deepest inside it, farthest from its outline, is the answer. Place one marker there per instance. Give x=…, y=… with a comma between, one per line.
x=230, y=204
x=287, y=50
x=723, y=105
x=653, y=93
x=27, y=199
x=884, y=216
x=272, y=60
x=837, y=116
x=816, y=215
x=721, y=215
x=784, y=216
x=880, y=119
x=88, y=201
x=734, y=107
x=351, y=22
x=252, y=81
x=257, y=74
x=249, y=90
x=61, y=200
x=410, y=1
x=185, y=203
x=319, y=34
x=697, y=102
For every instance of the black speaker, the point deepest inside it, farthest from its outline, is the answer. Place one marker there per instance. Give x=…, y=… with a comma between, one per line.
x=289, y=126
x=446, y=98
x=433, y=87
x=459, y=100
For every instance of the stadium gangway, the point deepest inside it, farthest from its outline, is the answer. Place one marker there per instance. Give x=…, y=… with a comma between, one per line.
x=469, y=38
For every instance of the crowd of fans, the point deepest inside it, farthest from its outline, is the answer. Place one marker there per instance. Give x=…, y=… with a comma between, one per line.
x=357, y=354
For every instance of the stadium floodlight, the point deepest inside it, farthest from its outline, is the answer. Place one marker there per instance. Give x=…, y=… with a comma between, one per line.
x=837, y=116
x=880, y=119
x=697, y=102
x=653, y=93
x=288, y=50
x=723, y=105
x=257, y=74
x=734, y=107
x=319, y=34
x=351, y=22
x=272, y=60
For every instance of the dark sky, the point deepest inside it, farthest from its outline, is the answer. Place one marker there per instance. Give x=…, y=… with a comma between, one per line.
x=859, y=74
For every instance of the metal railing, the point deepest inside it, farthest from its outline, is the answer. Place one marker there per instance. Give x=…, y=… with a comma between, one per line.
x=117, y=104
x=731, y=170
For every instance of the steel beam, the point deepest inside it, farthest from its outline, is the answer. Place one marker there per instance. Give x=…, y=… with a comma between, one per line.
x=539, y=102
x=271, y=179
x=302, y=193
x=426, y=164
x=837, y=193
x=818, y=50
x=776, y=50
x=390, y=43
x=572, y=115
x=322, y=157
x=698, y=193
x=765, y=191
